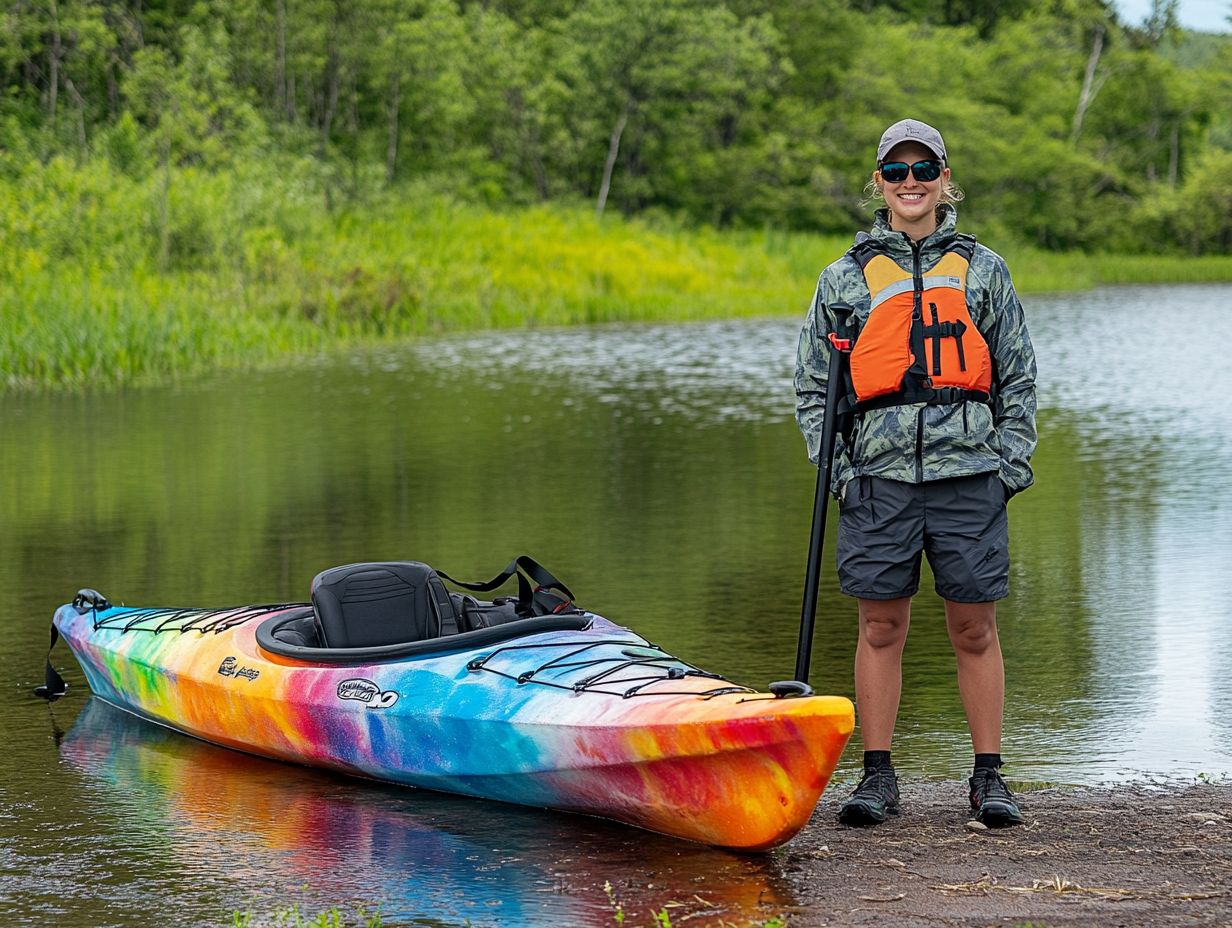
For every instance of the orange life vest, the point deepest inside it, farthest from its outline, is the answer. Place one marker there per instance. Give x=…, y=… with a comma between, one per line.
x=919, y=344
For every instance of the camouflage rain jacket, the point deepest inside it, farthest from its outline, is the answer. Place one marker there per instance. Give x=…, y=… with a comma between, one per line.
x=914, y=443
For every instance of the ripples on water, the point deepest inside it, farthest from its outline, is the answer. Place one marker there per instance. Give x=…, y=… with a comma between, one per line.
x=658, y=470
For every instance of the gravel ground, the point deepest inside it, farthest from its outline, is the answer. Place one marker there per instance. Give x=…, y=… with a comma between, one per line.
x=1124, y=856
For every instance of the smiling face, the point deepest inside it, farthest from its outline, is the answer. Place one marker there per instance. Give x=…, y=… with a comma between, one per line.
x=912, y=203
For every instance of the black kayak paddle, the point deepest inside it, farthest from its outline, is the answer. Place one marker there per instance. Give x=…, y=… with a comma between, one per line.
x=839, y=349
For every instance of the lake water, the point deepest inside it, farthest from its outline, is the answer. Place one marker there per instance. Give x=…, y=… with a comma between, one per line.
x=658, y=471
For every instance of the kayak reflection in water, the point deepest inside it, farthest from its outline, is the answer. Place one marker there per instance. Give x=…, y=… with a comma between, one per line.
x=936, y=430
x=256, y=830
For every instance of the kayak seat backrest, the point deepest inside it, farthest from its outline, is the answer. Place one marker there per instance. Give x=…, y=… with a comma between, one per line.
x=373, y=605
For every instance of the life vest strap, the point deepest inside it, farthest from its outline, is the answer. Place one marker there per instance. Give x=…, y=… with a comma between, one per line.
x=939, y=330
x=932, y=396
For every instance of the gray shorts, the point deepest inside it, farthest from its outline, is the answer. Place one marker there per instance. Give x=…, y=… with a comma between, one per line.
x=960, y=523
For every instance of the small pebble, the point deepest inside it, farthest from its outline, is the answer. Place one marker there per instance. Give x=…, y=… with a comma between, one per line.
x=977, y=826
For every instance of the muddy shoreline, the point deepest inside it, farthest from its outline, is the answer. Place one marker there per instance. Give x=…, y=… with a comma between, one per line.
x=1121, y=856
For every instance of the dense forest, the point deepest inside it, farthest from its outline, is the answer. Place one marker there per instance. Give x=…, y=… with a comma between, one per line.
x=193, y=185
x=1067, y=128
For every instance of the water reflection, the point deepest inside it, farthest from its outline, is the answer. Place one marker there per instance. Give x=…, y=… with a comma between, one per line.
x=658, y=471
x=265, y=829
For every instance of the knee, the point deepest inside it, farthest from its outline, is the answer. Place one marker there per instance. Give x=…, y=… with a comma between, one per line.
x=974, y=636
x=882, y=629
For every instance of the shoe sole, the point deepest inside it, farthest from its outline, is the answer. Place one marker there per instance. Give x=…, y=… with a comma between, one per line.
x=859, y=815
x=998, y=816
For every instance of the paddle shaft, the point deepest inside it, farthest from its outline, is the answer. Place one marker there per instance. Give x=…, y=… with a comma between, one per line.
x=821, y=501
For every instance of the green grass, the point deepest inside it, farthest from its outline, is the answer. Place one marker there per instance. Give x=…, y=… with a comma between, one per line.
x=257, y=271
x=662, y=918
x=291, y=917
x=1042, y=272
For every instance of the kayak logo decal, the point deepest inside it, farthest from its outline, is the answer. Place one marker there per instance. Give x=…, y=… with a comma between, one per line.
x=367, y=692
x=230, y=668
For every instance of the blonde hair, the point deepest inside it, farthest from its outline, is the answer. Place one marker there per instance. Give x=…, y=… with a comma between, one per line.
x=951, y=193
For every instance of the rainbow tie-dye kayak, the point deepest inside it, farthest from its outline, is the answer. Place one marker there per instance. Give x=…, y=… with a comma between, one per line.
x=567, y=712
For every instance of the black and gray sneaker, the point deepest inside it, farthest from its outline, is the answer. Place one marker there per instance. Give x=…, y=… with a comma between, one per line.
x=874, y=799
x=991, y=800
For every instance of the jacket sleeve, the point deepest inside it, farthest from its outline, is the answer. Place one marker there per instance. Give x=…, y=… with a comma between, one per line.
x=812, y=371
x=1014, y=405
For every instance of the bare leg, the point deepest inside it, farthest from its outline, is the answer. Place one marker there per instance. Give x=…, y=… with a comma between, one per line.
x=981, y=672
x=879, y=671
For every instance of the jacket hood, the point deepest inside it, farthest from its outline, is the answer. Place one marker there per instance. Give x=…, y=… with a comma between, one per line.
x=898, y=244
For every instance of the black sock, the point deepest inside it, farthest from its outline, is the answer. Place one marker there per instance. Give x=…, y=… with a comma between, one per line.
x=987, y=761
x=876, y=759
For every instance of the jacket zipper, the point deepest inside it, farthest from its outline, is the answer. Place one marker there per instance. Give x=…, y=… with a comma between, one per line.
x=919, y=445
x=917, y=312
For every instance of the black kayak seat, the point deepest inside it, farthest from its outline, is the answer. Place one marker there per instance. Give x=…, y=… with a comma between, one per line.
x=395, y=610
x=379, y=604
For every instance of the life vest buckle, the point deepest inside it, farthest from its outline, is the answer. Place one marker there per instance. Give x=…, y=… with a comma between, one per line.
x=840, y=344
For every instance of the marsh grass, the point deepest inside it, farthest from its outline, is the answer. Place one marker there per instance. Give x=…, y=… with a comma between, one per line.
x=257, y=270
x=1044, y=272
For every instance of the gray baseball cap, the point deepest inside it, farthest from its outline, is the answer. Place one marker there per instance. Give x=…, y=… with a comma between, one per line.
x=911, y=130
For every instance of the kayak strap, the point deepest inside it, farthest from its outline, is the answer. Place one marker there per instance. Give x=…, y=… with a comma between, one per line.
x=86, y=600
x=53, y=684
x=532, y=600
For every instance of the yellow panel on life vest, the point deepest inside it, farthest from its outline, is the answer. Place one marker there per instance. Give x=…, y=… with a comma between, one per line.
x=882, y=272
x=939, y=345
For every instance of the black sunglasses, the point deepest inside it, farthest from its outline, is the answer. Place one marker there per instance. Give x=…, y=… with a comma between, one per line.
x=895, y=172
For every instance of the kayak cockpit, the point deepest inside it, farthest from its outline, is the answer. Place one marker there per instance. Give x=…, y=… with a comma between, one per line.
x=396, y=609
x=295, y=634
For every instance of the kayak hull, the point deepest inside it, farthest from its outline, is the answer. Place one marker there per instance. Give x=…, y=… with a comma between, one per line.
x=682, y=756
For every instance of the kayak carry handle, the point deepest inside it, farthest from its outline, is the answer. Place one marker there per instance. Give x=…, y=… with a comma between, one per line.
x=789, y=689
x=87, y=599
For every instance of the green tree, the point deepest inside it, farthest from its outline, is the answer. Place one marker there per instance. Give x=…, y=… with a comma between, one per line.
x=419, y=61
x=192, y=112
x=518, y=119
x=649, y=74
x=56, y=55
x=1068, y=127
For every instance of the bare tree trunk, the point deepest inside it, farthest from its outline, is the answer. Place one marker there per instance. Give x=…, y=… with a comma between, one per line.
x=81, y=116
x=1090, y=85
x=536, y=163
x=53, y=64
x=280, y=59
x=353, y=105
x=113, y=89
x=1174, y=154
x=613, y=149
x=528, y=139
x=1152, y=133
x=391, y=145
x=333, y=83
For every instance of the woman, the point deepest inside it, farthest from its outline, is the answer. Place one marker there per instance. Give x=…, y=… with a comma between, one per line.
x=942, y=389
